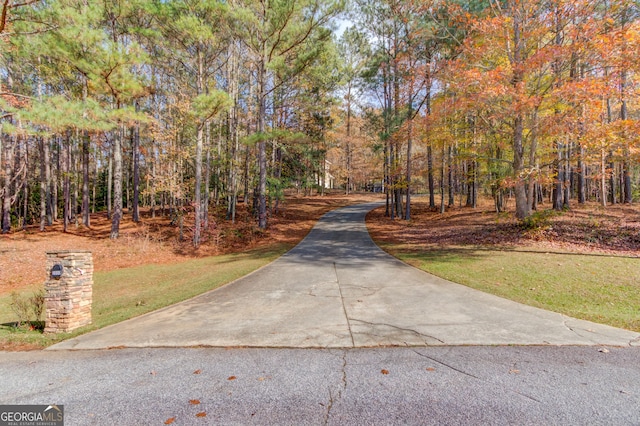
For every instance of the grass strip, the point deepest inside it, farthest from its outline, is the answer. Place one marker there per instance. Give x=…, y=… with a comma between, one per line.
x=599, y=288
x=126, y=293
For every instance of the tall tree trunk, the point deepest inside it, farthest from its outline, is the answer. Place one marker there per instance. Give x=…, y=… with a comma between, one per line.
x=86, y=217
x=387, y=178
x=127, y=170
x=567, y=179
x=582, y=173
x=24, y=165
x=472, y=172
x=55, y=179
x=66, y=180
x=392, y=180
x=46, y=158
x=94, y=189
x=117, y=183
x=558, y=192
x=233, y=76
x=603, y=178
x=75, y=185
x=442, y=188
x=207, y=178
x=496, y=190
x=432, y=195
x=25, y=188
x=428, y=110
x=110, y=185
x=43, y=185
x=8, y=157
x=348, y=159
x=198, y=160
x=612, y=166
x=626, y=162
x=531, y=181
x=198, y=186
x=247, y=156
x=395, y=78
x=136, y=170
x=450, y=176
x=471, y=177
x=407, y=211
x=522, y=205
x=262, y=145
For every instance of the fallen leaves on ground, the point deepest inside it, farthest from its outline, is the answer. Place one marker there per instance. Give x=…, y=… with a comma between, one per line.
x=588, y=228
x=154, y=240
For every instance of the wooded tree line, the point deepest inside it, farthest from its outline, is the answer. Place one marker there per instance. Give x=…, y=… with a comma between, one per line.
x=174, y=104
x=537, y=99
x=185, y=104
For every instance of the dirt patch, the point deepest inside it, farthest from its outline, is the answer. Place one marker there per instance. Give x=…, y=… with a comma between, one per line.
x=155, y=240
x=18, y=347
x=589, y=228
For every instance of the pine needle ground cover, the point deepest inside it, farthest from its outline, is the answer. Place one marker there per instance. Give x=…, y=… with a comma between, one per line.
x=584, y=263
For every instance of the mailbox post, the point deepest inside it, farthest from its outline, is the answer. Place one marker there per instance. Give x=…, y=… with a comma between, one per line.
x=68, y=290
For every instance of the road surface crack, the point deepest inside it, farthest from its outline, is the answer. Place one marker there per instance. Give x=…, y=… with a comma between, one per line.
x=469, y=374
x=565, y=323
x=417, y=333
x=344, y=308
x=333, y=399
x=445, y=364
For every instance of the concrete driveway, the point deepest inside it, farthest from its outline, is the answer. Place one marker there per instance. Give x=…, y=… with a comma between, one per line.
x=337, y=289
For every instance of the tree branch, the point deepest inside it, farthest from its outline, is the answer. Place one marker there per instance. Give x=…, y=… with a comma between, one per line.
x=3, y=15
x=5, y=11
x=15, y=94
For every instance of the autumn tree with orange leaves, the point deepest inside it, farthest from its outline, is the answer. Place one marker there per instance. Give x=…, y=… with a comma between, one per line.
x=543, y=82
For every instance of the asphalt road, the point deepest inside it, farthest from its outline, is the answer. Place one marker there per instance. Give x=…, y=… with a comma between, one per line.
x=458, y=385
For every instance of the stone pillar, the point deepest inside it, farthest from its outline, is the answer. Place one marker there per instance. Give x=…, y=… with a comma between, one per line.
x=68, y=298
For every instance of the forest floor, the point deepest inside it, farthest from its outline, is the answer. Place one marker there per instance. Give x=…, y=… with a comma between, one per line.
x=155, y=240
x=588, y=228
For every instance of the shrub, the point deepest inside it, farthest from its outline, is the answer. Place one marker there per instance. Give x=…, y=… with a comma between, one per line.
x=537, y=220
x=27, y=307
x=37, y=304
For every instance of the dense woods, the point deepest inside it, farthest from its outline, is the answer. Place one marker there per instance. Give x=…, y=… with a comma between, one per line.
x=179, y=106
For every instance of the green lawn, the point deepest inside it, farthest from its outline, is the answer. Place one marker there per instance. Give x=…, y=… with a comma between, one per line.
x=125, y=293
x=599, y=288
